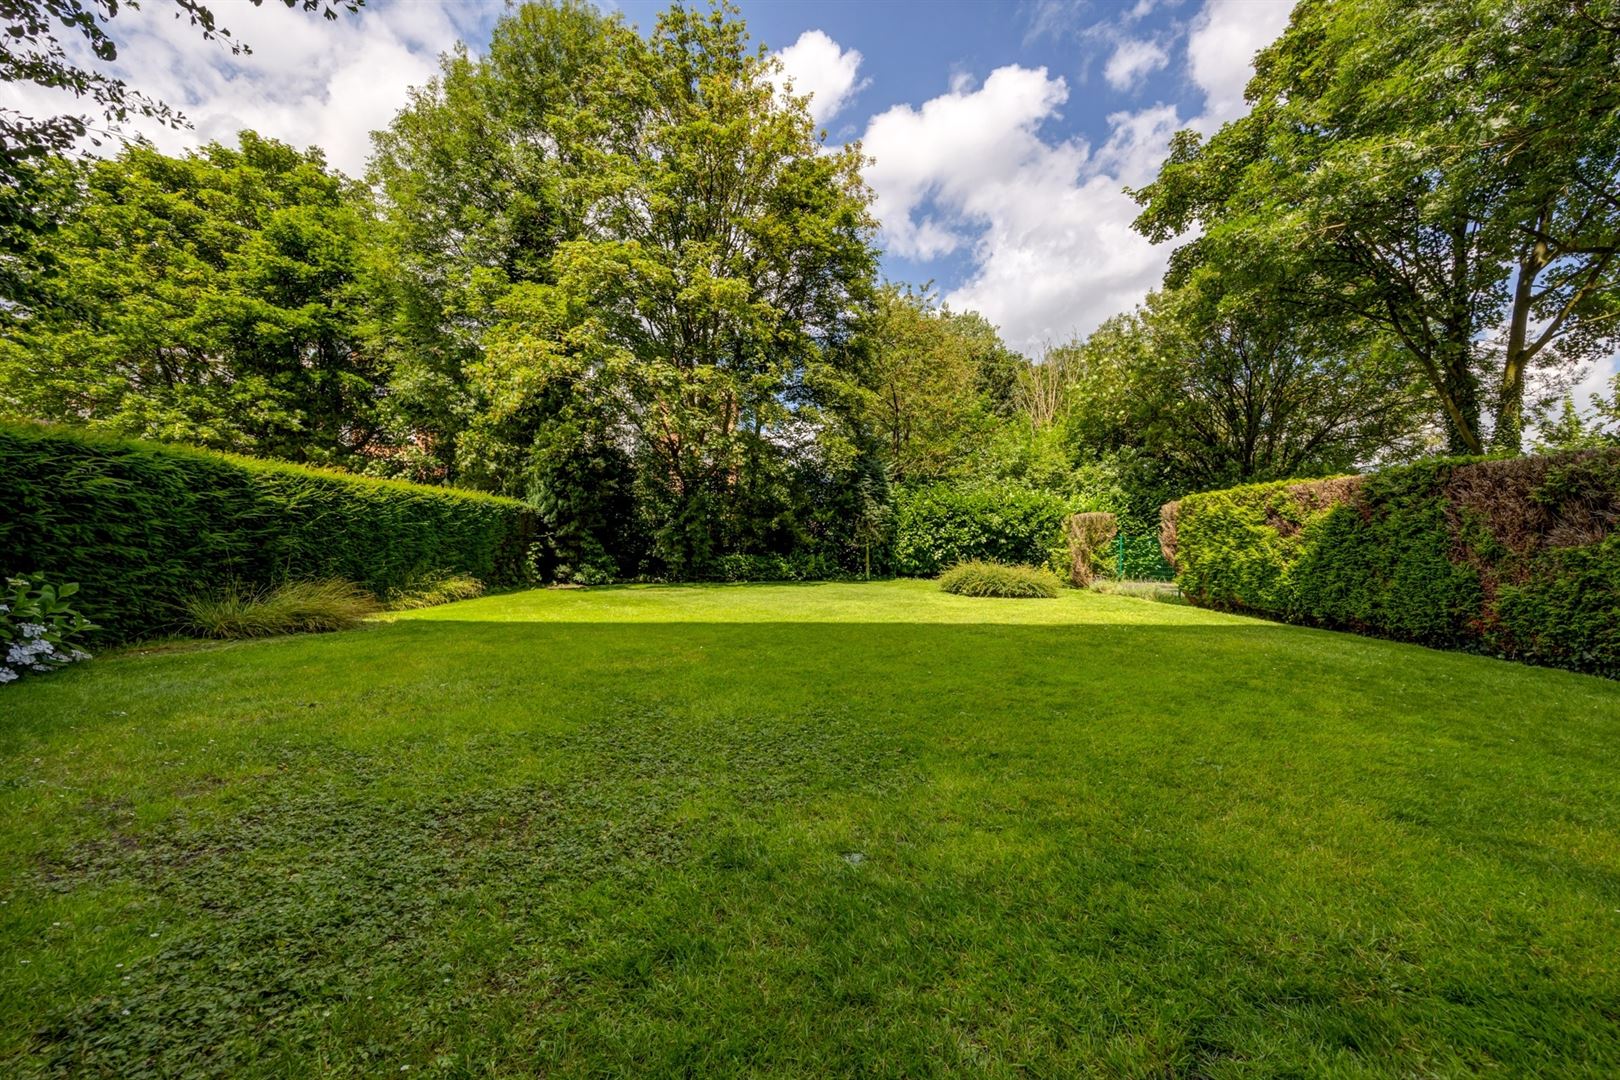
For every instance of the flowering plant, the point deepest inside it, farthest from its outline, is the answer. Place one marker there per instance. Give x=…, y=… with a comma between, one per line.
x=37, y=626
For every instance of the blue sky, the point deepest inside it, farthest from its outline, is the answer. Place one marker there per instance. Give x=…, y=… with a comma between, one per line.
x=1003, y=133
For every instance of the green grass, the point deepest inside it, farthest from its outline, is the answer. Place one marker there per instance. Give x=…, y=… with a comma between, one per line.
x=813, y=830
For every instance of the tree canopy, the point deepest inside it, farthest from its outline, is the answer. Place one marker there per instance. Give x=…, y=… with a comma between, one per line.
x=1447, y=172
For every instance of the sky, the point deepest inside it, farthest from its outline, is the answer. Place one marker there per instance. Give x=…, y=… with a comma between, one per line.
x=1002, y=134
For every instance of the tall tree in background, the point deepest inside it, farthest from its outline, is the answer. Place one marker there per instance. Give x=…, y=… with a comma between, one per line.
x=32, y=54
x=1446, y=172
x=935, y=381
x=1217, y=390
x=214, y=298
x=641, y=241
x=472, y=177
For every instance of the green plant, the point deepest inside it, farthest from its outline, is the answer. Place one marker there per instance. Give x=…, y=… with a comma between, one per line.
x=137, y=524
x=429, y=590
x=940, y=525
x=1512, y=556
x=804, y=566
x=39, y=628
x=294, y=607
x=979, y=578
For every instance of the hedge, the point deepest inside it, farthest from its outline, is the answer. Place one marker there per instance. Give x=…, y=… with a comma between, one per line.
x=1516, y=557
x=939, y=525
x=142, y=526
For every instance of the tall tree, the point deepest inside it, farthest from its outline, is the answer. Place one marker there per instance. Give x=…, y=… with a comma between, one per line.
x=1445, y=171
x=1218, y=389
x=664, y=255
x=472, y=178
x=923, y=398
x=214, y=298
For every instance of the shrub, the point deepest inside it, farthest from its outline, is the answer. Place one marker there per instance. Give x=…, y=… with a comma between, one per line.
x=1516, y=557
x=940, y=525
x=39, y=628
x=430, y=590
x=294, y=607
x=797, y=567
x=139, y=525
x=979, y=578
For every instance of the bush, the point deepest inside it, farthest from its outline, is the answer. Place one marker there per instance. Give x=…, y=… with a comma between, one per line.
x=295, y=607
x=980, y=578
x=1515, y=557
x=38, y=627
x=431, y=590
x=800, y=567
x=141, y=525
x=940, y=525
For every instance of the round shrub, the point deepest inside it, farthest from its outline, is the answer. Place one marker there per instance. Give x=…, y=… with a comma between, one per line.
x=979, y=578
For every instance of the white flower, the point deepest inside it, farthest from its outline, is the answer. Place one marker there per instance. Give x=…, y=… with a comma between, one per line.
x=7, y=675
x=4, y=608
x=42, y=667
x=31, y=629
x=78, y=654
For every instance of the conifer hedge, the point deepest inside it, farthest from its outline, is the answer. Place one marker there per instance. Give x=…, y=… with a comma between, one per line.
x=1518, y=557
x=142, y=526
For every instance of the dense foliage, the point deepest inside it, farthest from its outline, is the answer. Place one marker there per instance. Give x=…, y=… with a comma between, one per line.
x=941, y=524
x=622, y=277
x=657, y=278
x=213, y=299
x=1517, y=557
x=1445, y=173
x=144, y=527
x=992, y=579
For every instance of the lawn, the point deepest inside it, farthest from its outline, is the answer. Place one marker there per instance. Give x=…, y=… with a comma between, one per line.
x=810, y=830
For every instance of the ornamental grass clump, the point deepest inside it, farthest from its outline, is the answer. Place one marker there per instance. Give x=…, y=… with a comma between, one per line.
x=297, y=607
x=38, y=627
x=431, y=590
x=996, y=579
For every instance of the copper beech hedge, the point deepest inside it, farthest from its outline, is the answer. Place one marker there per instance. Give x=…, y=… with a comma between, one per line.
x=1516, y=557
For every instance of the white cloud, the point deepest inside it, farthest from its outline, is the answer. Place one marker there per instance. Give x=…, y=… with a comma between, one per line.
x=308, y=81
x=1221, y=45
x=1133, y=60
x=1046, y=219
x=816, y=65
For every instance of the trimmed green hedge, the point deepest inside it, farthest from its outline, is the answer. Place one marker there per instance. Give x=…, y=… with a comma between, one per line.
x=940, y=525
x=143, y=526
x=1517, y=557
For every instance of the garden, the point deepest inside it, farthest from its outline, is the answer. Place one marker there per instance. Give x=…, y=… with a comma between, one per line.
x=557, y=604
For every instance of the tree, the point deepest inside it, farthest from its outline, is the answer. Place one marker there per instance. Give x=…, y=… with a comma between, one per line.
x=1572, y=430
x=472, y=177
x=587, y=223
x=31, y=53
x=1445, y=172
x=928, y=375
x=1218, y=389
x=214, y=298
